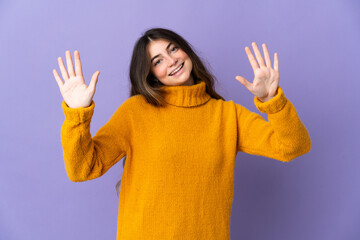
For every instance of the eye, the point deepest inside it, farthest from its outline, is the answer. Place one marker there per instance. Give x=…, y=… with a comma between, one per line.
x=174, y=49
x=157, y=62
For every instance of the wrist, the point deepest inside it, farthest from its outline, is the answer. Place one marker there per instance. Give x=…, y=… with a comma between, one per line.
x=274, y=105
x=265, y=99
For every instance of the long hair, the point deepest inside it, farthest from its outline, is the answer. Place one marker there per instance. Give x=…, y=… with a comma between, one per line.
x=145, y=83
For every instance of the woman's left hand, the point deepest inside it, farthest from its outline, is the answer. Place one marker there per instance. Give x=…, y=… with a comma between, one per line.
x=266, y=80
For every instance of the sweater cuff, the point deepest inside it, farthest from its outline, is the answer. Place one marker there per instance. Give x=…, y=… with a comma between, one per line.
x=273, y=105
x=80, y=114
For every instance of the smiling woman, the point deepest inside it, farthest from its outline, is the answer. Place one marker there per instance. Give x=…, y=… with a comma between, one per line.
x=156, y=55
x=178, y=136
x=170, y=64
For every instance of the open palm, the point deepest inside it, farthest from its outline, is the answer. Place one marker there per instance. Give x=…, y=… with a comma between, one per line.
x=75, y=91
x=266, y=79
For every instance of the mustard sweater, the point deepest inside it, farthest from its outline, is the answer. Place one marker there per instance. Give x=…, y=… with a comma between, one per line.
x=178, y=177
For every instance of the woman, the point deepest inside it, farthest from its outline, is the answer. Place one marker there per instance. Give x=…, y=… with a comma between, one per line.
x=179, y=136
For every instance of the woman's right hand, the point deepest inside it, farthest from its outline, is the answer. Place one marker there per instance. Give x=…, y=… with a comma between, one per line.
x=75, y=92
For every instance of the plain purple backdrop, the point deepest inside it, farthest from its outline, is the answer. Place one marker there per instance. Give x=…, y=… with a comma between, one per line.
x=316, y=196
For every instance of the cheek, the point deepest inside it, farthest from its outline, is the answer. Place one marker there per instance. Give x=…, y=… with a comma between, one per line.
x=159, y=72
x=190, y=65
x=186, y=57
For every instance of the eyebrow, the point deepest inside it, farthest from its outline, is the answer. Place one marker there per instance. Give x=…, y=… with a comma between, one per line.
x=159, y=54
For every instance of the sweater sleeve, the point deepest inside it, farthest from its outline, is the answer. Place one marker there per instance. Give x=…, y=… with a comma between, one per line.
x=283, y=137
x=88, y=157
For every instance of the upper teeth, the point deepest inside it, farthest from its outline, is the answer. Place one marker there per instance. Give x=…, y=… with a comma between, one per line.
x=176, y=70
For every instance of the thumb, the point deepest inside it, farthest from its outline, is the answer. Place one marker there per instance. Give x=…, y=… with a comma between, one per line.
x=244, y=82
x=94, y=80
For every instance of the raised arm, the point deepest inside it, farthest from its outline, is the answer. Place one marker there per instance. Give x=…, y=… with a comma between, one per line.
x=284, y=137
x=89, y=157
x=86, y=157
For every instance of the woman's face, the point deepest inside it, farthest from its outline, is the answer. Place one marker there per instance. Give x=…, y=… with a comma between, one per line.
x=170, y=64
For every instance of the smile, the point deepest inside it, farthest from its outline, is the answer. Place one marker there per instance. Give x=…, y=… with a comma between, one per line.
x=176, y=70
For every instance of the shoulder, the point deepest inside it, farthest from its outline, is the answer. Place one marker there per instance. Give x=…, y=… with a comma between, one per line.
x=134, y=100
x=132, y=104
x=229, y=107
x=223, y=103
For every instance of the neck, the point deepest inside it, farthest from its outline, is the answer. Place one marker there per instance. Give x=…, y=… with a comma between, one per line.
x=186, y=95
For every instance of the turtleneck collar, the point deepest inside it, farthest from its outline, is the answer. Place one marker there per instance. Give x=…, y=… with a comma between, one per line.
x=186, y=96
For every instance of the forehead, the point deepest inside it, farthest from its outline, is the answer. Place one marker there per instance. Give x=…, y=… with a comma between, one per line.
x=157, y=46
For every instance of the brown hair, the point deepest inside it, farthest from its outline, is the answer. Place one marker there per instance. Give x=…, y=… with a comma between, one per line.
x=145, y=83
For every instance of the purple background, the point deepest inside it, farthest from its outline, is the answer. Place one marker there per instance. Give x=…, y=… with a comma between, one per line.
x=316, y=196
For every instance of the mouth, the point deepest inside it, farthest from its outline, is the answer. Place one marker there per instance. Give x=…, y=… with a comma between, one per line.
x=177, y=70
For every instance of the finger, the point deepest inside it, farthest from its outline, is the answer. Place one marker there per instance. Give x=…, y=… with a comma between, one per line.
x=69, y=64
x=63, y=70
x=58, y=79
x=244, y=82
x=258, y=54
x=267, y=56
x=78, y=67
x=94, y=80
x=251, y=58
x=276, y=62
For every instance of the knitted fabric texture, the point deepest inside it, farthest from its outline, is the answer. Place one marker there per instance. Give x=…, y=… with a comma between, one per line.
x=178, y=178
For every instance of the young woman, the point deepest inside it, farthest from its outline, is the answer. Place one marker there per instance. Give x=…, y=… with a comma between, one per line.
x=179, y=136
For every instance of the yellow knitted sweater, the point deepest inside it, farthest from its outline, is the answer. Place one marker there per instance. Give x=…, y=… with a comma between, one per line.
x=178, y=177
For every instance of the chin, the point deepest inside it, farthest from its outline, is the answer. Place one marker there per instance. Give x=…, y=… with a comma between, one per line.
x=185, y=80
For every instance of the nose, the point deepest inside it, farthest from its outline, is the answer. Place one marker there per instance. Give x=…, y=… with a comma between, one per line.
x=172, y=61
